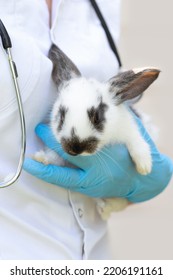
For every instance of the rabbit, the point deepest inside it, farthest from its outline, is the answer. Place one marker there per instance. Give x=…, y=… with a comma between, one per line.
x=89, y=114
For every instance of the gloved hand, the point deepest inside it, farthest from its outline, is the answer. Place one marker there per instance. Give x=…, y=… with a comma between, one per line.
x=109, y=173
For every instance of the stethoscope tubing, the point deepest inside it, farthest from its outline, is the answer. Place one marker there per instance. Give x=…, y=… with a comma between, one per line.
x=6, y=42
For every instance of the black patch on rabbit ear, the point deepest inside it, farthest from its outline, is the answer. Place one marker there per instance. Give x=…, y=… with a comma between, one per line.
x=130, y=84
x=63, y=68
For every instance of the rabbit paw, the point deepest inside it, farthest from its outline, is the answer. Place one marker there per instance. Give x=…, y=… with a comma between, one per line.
x=106, y=206
x=144, y=167
x=143, y=162
x=48, y=156
x=141, y=156
x=42, y=157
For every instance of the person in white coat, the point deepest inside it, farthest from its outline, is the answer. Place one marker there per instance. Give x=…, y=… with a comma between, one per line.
x=38, y=219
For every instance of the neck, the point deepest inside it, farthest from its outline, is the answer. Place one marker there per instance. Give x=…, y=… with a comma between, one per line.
x=49, y=5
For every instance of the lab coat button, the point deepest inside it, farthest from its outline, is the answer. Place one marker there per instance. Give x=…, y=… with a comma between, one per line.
x=80, y=213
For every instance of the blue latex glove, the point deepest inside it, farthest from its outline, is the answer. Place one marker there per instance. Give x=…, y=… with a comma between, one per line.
x=110, y=173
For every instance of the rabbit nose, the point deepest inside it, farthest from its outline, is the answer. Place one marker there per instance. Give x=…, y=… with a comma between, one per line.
x=75, y=149
x=75, y=146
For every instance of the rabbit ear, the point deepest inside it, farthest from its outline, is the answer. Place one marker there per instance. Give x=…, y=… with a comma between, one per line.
x=130, y=84
x=63, y=68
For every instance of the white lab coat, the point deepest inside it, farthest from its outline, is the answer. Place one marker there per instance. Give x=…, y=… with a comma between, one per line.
x=39, y=220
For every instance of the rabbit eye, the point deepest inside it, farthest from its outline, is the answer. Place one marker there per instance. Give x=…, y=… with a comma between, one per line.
x=97, y=116
x=62, y=113
x=94, y=117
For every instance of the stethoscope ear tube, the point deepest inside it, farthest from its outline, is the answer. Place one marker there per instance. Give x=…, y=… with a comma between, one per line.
x=6, y=42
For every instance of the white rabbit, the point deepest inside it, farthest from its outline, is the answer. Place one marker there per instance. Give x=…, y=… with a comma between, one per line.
x=88, y=115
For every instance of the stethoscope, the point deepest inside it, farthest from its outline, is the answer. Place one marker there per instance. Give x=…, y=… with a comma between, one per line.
x=6, y=42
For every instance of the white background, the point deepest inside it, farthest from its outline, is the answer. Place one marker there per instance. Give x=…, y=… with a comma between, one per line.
x=145, y=231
